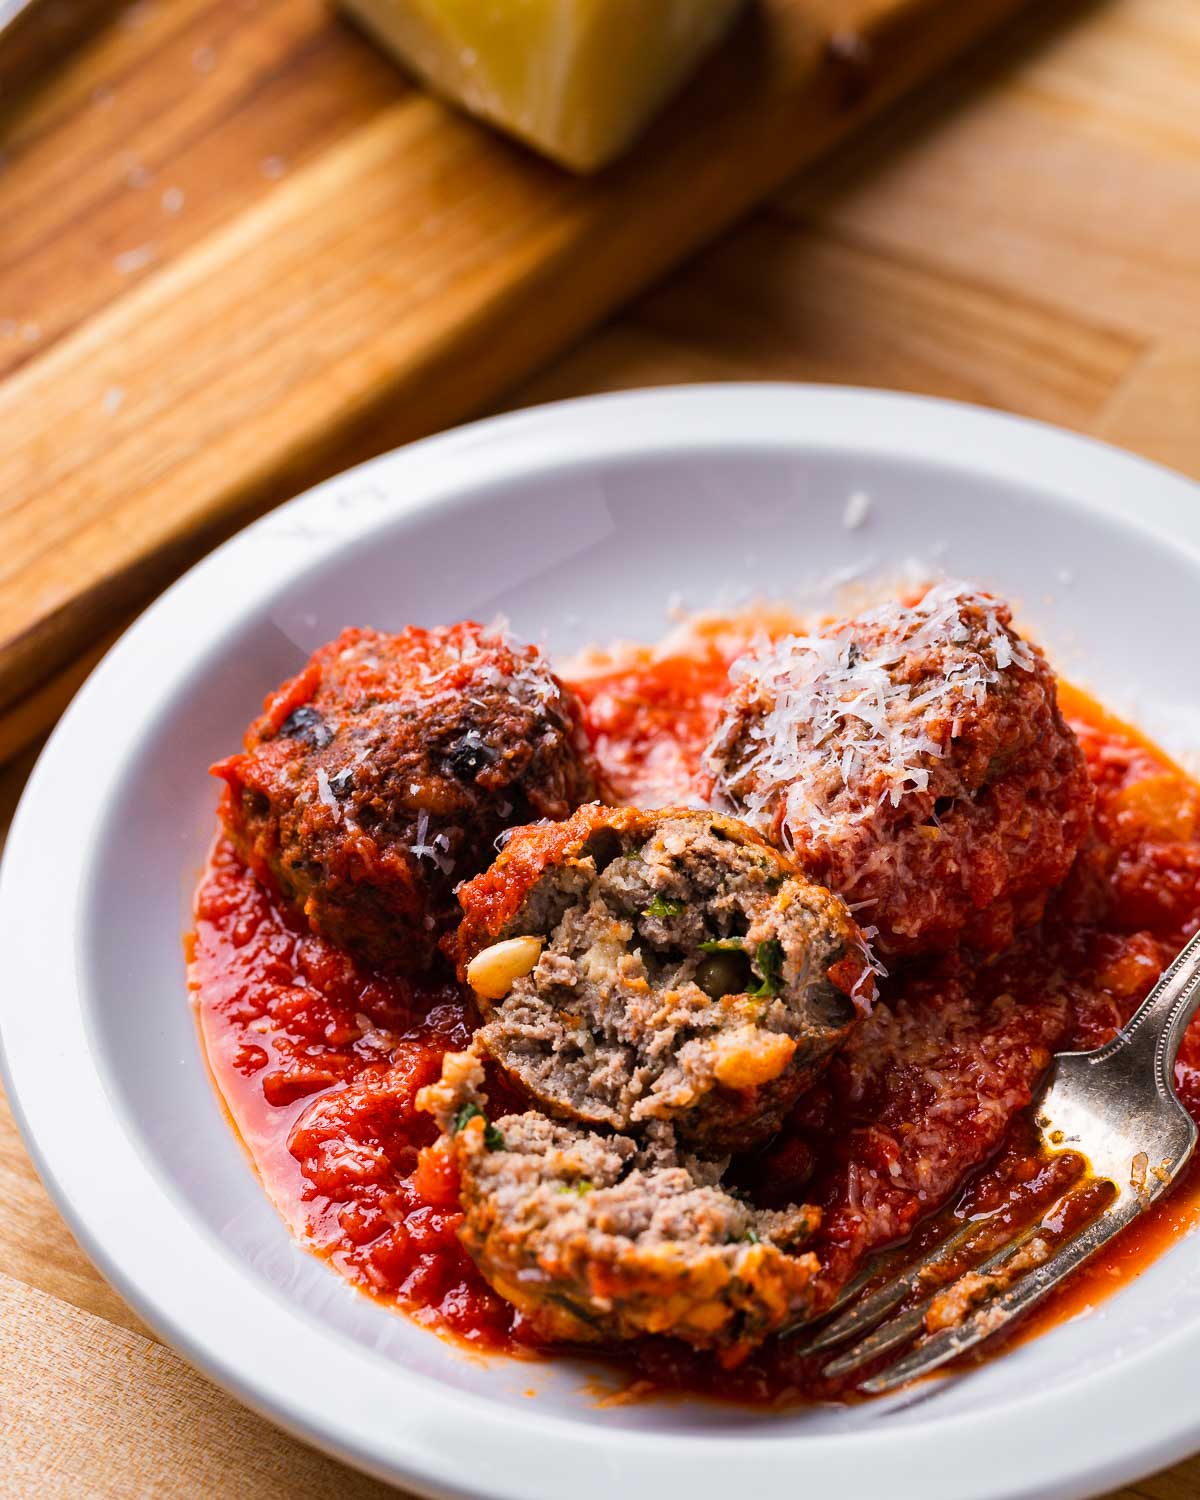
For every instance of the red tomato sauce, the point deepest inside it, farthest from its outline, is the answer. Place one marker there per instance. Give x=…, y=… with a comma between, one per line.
x=319, y=1061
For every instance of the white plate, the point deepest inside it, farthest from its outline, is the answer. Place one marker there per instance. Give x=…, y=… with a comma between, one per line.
x=578, y=521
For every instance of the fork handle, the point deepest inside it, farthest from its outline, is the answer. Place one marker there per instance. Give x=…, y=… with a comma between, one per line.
x=1158, y=1024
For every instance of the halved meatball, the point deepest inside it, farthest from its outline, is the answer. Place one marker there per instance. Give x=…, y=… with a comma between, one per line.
x=636, y=966
x=914, y=760
x=380, y=776
x=601, y=1238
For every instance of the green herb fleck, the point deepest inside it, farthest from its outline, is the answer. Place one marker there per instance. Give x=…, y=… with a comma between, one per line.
x=751, y=1237
x=663, y=906
x=465, y=1115
x=492, y=1138
x=722, y=945
x=584, y=1185
x=768, y=960
x=584, y=1314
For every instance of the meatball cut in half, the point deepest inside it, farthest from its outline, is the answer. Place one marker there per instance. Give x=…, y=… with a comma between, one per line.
x=916, y=761
x=597, y=1237
x=638, y=966
x=381, y=776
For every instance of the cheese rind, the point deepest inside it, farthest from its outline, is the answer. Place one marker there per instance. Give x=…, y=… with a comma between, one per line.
x=577, y=79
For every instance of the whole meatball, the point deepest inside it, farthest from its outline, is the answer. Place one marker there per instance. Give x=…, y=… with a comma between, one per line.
x=599, y=1237
x=381, y=775
x=659, y=966
x=914, y=760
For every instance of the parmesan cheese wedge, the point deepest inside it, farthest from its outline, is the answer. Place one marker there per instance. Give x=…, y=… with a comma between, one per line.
x=577, y=79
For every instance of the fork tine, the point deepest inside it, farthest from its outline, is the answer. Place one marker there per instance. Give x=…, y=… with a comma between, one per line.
x=890, y=1335
x=1001, y=1309
x=903, y=1326
x=864, y=1315
x=847, y=1294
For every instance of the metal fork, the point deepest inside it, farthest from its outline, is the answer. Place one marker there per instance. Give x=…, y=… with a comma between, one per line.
x=1116, y=1108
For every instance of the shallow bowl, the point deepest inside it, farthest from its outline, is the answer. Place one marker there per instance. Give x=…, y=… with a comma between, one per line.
x=580, y=522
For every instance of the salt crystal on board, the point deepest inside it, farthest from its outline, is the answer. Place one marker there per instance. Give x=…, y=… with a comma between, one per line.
x=136, y=259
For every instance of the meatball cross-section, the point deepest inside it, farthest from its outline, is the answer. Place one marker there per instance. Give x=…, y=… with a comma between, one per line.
x=659, y=966
x=603, y=1238
x=381, y=775
x=916, y=761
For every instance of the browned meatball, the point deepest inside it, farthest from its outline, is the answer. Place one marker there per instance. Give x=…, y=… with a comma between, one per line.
x=914, y=760
x=381, y=775
x=599, y=1237
x=672, y=966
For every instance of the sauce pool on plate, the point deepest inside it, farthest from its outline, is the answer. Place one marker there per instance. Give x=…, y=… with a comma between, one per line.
x=319, y=1061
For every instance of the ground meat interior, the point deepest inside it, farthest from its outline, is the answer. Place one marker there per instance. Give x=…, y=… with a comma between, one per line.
x=601, y=1237
x=684, y=974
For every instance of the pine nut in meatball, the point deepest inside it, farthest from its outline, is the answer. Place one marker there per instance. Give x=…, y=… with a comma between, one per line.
x=684, y=972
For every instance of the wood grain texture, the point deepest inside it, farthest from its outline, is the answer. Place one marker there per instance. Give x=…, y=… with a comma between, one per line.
x=165, y=1431
x=1077, y=182
x=239, y=246
x=1024, y=233
x=771, y=303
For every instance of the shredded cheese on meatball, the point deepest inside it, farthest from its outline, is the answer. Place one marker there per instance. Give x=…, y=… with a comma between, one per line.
x=818, y=691
x=529, y=680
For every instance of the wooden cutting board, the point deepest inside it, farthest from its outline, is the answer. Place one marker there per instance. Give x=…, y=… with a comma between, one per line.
x=239, y=250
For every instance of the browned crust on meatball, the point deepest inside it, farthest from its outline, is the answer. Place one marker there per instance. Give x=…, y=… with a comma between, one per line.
x=380, y=776
x=688, y=973
x=601, y=1239
x=916, y=761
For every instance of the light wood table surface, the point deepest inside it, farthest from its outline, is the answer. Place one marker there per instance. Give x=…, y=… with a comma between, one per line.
x=1026, y=235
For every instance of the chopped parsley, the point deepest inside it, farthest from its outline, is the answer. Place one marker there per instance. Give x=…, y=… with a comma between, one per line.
x=768, y=960
x=722, y=945
x=751, y=1237
x=584, y=1314
x=663, y=906
x=584, y=1185
x=492, y=1138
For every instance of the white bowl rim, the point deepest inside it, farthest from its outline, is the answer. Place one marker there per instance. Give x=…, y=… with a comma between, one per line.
x=1097, y=1432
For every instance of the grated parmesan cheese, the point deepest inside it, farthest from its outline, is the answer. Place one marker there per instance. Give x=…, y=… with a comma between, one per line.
x=827, y=706
x=435, y=849
x=325, y=793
